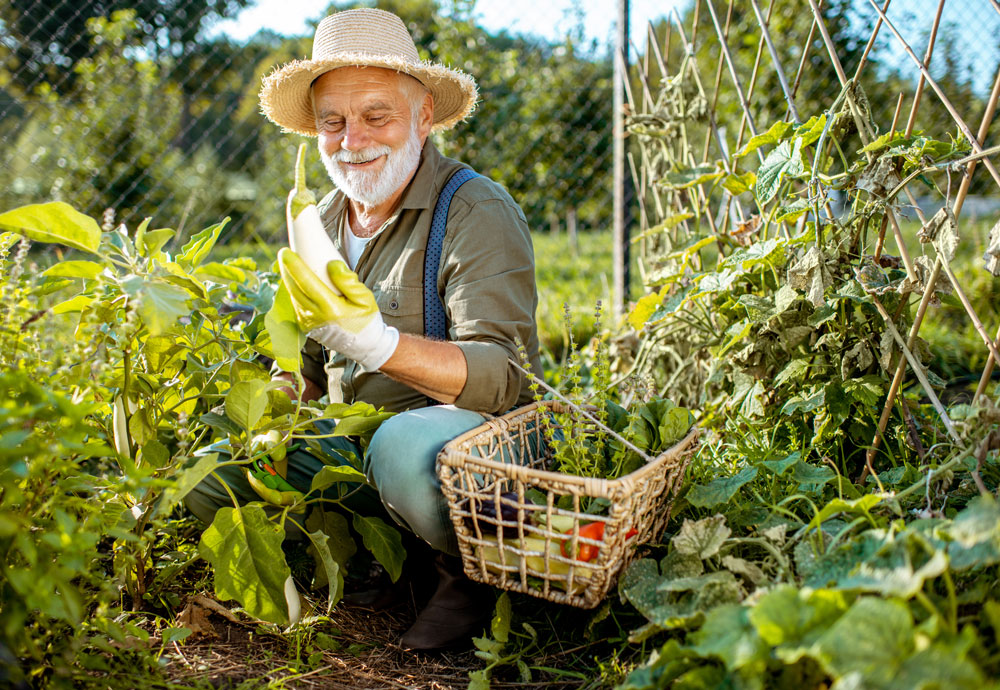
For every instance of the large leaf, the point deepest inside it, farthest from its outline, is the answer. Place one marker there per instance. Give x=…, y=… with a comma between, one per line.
x=779, y=131
x=871, y=639
x=74, y=269
x=54, y=222
x=247, y=401
x=792, y=619
x=720, y=490
x=287, y=339
x=702, y=538
x=329, y=475
x=160, y=305
x=383, y=541
x=672, y=603
x=783, y=162
x=244, y=548
x=728, y=635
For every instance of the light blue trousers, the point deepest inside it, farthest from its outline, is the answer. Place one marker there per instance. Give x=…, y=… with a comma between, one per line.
x=400, y=463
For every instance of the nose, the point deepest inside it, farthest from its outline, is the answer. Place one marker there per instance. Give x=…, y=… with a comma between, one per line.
x=355, y=136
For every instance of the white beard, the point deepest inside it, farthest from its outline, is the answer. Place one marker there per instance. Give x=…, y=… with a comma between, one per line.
x=372, y=188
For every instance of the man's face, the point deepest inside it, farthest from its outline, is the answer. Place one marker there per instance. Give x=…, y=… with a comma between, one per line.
x=369, y=135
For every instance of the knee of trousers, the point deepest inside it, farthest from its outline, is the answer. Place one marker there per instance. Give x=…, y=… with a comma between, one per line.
x=401, y=463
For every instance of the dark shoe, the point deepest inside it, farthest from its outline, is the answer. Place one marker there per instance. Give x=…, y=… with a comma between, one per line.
x=374, y=590
x=458, y=609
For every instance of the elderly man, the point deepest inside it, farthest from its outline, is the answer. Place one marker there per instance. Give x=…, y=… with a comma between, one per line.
x=431, y=338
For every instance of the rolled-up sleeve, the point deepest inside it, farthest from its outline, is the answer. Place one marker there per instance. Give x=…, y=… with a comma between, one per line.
x=488, y=278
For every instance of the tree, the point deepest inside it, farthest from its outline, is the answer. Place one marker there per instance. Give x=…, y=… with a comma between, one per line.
x=46, y=39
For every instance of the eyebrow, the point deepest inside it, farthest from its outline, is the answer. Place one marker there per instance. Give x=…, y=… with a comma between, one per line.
x=377, y=105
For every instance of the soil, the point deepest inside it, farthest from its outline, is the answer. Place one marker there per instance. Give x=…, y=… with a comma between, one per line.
x=353, y=649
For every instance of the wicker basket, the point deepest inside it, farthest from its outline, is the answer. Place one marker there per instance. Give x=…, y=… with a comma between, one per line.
x=512, y=542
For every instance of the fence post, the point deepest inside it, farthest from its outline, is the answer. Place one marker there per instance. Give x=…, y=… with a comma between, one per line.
x=620, y=251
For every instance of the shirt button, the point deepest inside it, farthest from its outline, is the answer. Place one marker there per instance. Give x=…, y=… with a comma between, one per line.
x=394, y=304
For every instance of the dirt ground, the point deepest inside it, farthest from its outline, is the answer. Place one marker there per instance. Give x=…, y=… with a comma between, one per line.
x=353, y=649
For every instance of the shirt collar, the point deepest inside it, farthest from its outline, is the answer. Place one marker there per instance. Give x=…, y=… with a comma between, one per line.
x=421, y=191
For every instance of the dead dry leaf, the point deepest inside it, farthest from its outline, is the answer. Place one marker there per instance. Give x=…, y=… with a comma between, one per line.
x=195, y=616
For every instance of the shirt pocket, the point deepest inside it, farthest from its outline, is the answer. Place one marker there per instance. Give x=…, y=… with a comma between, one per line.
x=402, y=307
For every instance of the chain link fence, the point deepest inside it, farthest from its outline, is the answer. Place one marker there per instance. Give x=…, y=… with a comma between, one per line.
x=149, y=107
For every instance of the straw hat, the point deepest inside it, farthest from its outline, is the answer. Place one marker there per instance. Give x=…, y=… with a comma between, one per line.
x=362, y=38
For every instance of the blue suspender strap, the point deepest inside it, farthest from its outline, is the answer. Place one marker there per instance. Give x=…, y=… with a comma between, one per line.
x=435, y=322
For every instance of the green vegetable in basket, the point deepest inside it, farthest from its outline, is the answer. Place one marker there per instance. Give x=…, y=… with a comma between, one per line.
x=659, y=424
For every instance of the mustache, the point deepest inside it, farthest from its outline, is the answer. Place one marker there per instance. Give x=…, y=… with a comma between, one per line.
x=362, y=156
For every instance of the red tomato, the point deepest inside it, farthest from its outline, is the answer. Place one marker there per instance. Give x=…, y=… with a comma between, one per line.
x=586, y=552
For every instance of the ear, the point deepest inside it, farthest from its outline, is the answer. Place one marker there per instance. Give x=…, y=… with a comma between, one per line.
x=425, y=120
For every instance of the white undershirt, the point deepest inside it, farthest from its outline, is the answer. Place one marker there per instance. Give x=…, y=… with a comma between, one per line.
x=354, y=245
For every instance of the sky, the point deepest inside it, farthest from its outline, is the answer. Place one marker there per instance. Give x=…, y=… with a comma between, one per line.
x=549, y=18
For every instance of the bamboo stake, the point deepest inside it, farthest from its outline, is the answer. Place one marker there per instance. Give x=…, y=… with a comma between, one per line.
x=871, y=42
x=805, y=53
x=732, y=67
x=915, y=364
x=785, y=89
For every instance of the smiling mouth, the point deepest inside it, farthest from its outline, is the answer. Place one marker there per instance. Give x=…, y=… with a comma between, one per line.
x=361, y=165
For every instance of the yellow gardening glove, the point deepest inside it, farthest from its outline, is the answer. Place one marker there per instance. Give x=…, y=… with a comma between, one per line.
x=349, y=323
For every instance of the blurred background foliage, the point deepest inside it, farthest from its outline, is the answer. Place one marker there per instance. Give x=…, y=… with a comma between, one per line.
x=138, y=106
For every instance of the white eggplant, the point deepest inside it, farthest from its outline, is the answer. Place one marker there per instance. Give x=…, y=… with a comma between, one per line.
x=306, y=235
x=292, y=600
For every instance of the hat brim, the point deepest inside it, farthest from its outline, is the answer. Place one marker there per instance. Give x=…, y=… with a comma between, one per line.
x=286, y=101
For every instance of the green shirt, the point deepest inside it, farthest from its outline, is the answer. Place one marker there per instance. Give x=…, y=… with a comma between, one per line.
x=486, y=280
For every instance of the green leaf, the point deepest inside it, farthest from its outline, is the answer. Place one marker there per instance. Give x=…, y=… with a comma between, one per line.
x=778, y=131
x=728, y=635
x=74, y=269
x=811, y=130
x=185, y=481
x=666, y=225
x=779, y=466
x=805, y=402
x=360, y=425
x=721, y=490
x=73, y=304
x=54, y=222
x=871, y=639
x=331, y=569
x=795, y=370
x=384, y=543
x=286, y=338
x=783, y=162
x=329, y=475
x=160, y=305
x=221, y=273
x=500, y=625
x=770, y=253
x=339, y=544
x=244, y=548
x=223, y=424
x=152, y=241
x=792, y=619
x=246, y=402
x=690, y=177
x=793, y=211
x=806, y=474
x=198, y=247
x=702, y=538
x=737, y=184
x=860, y=506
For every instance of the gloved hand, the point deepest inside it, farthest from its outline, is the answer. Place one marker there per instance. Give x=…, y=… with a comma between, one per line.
x=349, y=323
